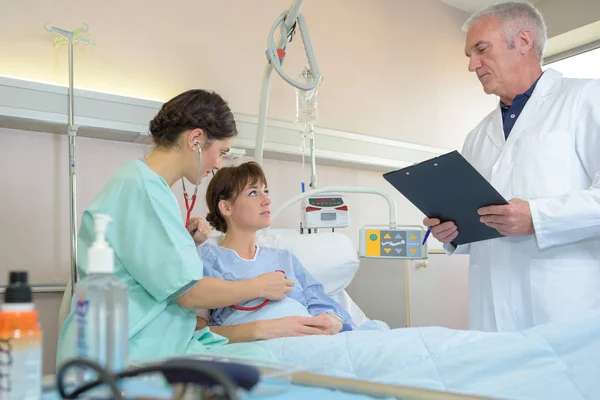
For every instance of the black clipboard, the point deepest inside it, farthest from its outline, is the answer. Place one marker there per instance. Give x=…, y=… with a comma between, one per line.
x=449, y=188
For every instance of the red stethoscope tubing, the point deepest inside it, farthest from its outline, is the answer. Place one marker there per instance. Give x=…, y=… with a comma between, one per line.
x=189, y=207
x=258, y=307
x=254, y=308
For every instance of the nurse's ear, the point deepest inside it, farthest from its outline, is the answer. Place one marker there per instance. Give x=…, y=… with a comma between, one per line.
x=196, y=138
x=225, y=208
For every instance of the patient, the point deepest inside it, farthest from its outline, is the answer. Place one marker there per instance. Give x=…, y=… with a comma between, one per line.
x=239, y=206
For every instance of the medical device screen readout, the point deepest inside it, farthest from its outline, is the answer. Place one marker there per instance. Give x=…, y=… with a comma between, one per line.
x=328, y=216
x=326, y=202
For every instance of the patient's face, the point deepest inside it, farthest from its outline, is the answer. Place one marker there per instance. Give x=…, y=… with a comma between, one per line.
x=252, y=208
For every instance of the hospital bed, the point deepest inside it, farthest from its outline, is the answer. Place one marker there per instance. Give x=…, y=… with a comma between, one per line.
x=557, y=361
x=333, y=260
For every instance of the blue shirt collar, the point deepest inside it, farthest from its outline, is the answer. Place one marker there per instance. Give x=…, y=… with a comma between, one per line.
x=527, y=93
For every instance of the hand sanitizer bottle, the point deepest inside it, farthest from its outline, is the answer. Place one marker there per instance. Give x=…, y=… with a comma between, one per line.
x=101, y=306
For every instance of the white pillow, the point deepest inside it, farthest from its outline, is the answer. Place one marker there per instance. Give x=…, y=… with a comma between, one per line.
x=329, y=257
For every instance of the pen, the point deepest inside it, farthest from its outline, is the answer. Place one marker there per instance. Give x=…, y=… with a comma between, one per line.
x=426, y=236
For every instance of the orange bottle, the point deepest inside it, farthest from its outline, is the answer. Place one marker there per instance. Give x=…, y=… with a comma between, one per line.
x=20, y=343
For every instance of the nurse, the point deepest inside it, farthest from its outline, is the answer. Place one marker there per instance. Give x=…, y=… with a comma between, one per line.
x=155, y=255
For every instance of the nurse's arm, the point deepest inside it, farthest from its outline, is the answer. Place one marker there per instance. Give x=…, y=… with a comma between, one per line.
x=242, y=333
x=211, y=293
x=247, y=332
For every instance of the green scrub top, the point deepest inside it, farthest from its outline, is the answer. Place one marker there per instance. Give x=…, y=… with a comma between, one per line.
x=157, y=258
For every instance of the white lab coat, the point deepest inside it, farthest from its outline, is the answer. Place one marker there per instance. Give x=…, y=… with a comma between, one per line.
x=551, y=159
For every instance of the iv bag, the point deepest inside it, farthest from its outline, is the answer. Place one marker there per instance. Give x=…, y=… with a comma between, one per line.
x=306, y=101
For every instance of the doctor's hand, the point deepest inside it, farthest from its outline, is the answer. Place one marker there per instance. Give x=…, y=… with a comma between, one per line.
x=272, y=285
x=445, y=233
x=513, y=219
x=199, y=230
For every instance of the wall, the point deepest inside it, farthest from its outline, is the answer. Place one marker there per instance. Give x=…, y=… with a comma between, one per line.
x=392, y=68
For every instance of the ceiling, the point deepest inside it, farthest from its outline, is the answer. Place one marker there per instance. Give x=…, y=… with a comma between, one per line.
x=473, y=5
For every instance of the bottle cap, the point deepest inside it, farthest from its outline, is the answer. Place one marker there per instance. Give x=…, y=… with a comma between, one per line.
x=18, y=290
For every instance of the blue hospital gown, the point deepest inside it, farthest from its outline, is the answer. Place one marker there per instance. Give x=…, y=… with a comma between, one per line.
x=157, y=258
x=307, y=298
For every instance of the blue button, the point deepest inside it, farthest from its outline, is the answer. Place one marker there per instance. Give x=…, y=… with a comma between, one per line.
x=373, y=237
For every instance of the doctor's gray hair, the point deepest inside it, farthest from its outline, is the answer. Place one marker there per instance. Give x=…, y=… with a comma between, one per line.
x=514, y=17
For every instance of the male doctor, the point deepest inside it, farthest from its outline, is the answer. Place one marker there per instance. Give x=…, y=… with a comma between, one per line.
x=540, y=148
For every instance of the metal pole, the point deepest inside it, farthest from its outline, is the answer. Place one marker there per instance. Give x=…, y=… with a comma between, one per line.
x=65, y=36
x=41, y=288
x=262, y=114
x=266, y=84
x=72, y=171
x=343, y=189
x=407, y=292
x=313, y=159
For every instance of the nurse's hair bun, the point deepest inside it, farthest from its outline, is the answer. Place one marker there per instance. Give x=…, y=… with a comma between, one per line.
x=226, y=185
x=192, y=110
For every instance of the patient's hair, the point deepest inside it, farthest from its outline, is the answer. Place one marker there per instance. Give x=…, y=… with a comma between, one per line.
x=191, y=110
x=227, y=184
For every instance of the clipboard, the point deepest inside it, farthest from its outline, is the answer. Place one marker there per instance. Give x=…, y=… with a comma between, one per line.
x=450, y=189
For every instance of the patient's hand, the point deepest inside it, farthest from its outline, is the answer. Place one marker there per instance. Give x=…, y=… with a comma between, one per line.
x=290, y=326
x=331, y=324
x=337, y=325
x=323, y=324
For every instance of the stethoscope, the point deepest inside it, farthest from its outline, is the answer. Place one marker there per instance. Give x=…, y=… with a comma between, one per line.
x=258, y=307
x=190, y=203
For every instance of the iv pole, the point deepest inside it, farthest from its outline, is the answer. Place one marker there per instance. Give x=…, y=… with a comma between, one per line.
x=287, y=23
x=69, y=37
x=275, y=54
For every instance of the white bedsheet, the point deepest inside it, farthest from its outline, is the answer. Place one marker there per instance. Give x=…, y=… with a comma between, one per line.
x=556, y=361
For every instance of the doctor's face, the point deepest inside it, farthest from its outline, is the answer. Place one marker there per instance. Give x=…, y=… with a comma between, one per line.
x=251, y=210
x=490, y=57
